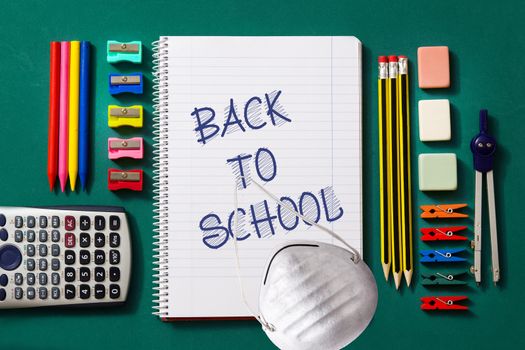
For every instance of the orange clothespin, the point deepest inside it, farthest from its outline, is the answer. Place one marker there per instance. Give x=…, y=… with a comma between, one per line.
x=443, y=211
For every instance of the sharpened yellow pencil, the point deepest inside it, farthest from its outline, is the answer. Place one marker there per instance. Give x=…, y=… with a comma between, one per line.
x=404, y=168
x=384, y=136
x=394, y=202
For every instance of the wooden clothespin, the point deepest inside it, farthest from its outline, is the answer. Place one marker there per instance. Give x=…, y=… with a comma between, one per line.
x=443, y=211
x=441, y=255
x=443, y=303
x=443, y=233
x=438, y=278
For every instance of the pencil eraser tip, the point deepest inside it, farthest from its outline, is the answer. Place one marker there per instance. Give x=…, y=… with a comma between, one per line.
x=392, y=58
x=402, y=56
x=382, y=59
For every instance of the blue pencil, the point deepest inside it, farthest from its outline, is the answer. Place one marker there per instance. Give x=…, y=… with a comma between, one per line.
x=83, y=127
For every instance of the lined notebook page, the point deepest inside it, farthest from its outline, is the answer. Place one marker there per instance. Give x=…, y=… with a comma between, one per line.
x=283, y=111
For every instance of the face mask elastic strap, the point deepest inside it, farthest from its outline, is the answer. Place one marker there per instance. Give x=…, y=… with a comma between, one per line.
x=258, y=317
x=356, y=258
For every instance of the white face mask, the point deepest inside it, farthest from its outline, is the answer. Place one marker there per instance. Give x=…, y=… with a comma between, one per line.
x=313, y=295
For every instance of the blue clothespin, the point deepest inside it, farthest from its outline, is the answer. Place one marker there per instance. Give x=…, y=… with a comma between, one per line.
x=121, y=83
x=441, y=255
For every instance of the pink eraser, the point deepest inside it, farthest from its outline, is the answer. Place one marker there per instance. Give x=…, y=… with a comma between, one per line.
x=433, y=67
x=125, y=148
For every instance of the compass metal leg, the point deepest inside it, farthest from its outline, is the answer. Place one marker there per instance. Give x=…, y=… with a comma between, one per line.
x=483, y=147
x=493, y=227
x=477, y=227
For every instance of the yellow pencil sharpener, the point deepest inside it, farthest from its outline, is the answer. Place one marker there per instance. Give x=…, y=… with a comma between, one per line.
x=125, y=116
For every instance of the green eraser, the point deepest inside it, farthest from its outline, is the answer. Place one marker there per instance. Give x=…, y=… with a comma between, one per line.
x=438, y=172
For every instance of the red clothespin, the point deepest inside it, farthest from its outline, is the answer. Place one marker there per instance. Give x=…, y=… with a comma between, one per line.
x=443, y=233
x=125, y=179
x=443, y=211
x=443, y=303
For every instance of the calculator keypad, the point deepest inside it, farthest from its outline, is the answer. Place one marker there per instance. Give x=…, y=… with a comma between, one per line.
x=85, y=223
x=3, y=234
x=67, y=257
x=55, y=236
x=42, y=235
x=100, y=274
x=84, y=274
x=30, y=250
x=100, y=223
x=42, y=221
x=85, y=239
x=55, y=221
x=100, y=240
x=55, y=250
x=19, y=236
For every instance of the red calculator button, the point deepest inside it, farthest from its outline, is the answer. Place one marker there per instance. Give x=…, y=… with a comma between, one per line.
x=69, y=239
x=70, y=223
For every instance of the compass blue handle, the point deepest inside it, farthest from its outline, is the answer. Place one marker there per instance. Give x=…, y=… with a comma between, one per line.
x=483, y=121
x=483, y=146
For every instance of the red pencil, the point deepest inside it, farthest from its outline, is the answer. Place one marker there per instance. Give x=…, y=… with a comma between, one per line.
x=54, y=99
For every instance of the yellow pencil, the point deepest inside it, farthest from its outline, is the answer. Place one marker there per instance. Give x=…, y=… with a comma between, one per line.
x=74, y=76
x=404, y=168
x=395, y=227
x=383, y=164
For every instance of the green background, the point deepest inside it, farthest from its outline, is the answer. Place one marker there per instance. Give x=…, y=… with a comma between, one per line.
x=487, y=43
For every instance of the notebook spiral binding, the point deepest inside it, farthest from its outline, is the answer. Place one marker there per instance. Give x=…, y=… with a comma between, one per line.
x=160, y=175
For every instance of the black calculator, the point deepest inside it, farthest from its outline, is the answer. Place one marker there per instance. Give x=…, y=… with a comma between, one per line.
x=73, y=255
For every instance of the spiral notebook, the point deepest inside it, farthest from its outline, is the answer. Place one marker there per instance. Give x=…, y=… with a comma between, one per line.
x=282, y=111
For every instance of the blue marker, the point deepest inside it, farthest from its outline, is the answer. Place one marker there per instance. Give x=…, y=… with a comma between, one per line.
x=83, y=127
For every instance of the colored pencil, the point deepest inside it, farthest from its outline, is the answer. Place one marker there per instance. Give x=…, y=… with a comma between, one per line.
x=83, y=132
x=383, y=164
x=404, y=168
x=63, y=118
x=54, y=106
x=74, y=76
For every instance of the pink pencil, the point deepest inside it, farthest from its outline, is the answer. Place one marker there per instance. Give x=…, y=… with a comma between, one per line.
x=63, y=118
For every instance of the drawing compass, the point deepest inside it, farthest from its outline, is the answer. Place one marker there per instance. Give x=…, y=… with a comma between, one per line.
x=483, y=147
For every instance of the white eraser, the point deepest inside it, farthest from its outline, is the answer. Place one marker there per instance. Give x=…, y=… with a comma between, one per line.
x=434, y=120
